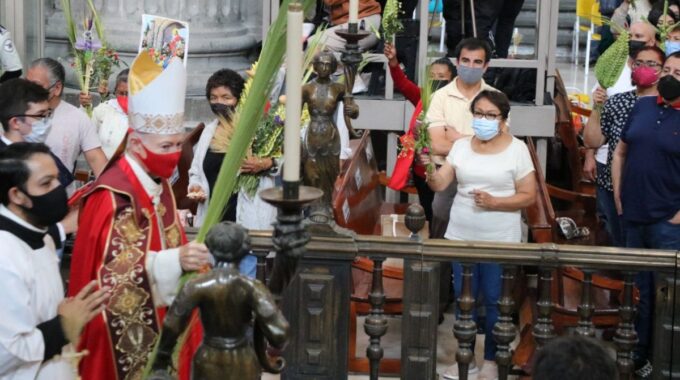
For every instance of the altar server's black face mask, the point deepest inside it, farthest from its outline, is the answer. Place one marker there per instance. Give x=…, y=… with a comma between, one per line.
x=48, y=208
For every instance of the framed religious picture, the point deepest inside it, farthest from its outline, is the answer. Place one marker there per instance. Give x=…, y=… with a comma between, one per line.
x=164, y=38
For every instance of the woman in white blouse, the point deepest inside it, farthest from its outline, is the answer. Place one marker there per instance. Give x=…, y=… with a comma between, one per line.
x=110, y=117
x=495, y=182
x=223, y=91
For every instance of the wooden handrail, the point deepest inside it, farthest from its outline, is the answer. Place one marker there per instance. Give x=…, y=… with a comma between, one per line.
x=547, y=254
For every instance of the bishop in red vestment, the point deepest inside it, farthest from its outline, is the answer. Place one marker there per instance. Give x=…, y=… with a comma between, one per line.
x=129, y=236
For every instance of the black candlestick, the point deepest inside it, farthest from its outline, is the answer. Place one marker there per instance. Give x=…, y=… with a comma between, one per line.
x=351, y=58
x=290, y=237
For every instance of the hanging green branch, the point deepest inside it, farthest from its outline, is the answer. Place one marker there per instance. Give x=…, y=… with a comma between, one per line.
x=610, y=65
x=92, y=59
x=422, y=142
x=391, y=23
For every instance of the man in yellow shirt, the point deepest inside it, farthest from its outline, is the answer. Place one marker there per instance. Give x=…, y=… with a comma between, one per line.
x=450, y=117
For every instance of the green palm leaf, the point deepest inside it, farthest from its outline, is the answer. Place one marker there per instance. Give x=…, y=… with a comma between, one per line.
x=251, y=114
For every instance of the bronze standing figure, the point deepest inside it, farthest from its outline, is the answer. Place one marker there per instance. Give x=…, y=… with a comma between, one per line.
x=228, y=302
x=321, y=148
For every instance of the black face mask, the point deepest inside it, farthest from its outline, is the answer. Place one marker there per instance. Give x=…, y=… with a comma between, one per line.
x=438, y=83
x=634, y=47
x=48, y=208
x=223, y=110
x=669, y=87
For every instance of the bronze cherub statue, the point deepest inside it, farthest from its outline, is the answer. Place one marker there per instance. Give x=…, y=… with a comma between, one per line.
x=229, y=304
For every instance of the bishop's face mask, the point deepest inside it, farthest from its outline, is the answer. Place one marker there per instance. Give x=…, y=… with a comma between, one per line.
x=160, y=164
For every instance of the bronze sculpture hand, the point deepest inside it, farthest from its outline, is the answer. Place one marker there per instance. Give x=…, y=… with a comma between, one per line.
x=351, y=111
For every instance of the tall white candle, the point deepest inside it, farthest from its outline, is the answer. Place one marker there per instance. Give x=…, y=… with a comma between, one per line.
x=294, y=62
x=353, y=11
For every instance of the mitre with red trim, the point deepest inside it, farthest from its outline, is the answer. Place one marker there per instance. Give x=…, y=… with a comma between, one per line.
x=156, y=95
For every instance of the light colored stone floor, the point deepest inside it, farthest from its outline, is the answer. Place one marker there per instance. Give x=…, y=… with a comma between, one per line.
x=574, y=75
x=391, y=343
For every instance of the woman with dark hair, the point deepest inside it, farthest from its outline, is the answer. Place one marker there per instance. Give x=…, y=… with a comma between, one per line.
x=495, y=182
x=442, y=72
x=223, y=91
x=657, y=18
x=110, y=117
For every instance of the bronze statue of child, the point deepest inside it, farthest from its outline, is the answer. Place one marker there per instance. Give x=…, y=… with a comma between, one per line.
x=321, y=148
x=229, y=303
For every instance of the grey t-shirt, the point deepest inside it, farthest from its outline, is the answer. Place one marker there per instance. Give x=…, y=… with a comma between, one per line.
x=72, y=133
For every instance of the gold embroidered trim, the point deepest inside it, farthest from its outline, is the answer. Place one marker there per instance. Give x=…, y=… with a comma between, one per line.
x=173, y=236
x=157, y=124
x=130, y=309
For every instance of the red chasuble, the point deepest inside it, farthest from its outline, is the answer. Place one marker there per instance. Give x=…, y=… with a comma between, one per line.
x=118, y=226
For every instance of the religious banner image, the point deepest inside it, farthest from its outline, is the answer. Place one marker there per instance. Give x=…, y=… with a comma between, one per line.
x=164, y=38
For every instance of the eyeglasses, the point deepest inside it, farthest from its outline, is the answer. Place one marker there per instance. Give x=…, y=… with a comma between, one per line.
x=651, y=64
x=43, y=116
x=487, y=116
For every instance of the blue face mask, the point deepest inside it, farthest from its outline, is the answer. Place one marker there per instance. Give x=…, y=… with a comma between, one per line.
x=39, y=131
x=485, y=129
x=470, y=75
x=672, y=47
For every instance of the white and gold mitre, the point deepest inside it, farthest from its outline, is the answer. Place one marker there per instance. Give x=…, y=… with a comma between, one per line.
x=156, y=95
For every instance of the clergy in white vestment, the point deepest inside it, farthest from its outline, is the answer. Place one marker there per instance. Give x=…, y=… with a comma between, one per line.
x=36, y=322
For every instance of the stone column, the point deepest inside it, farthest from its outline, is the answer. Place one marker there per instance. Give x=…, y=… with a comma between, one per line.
x=221, y=32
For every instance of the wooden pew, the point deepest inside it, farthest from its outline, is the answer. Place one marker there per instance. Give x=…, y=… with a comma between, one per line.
x=567, y=282
x=358, y=200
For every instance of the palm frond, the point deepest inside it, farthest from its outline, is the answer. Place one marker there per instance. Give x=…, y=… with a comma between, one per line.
x=98, y=26
x=251, y=113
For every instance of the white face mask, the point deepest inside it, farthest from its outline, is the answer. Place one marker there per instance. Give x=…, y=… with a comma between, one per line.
x=39, y=131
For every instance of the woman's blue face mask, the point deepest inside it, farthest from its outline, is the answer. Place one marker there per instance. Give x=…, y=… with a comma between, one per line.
x=485, y=129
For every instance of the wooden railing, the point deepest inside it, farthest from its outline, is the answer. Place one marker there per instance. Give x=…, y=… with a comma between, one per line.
x=317, y=300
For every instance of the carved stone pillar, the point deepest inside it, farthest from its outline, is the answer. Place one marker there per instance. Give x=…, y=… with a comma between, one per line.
x=221, y=32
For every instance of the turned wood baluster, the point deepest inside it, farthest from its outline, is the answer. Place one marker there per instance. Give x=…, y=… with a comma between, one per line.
x=376, y=322
x=504, y=330
x=261, y=268
x=586, y=308
x=465, y=328
x=544, y=329
x=626, y=337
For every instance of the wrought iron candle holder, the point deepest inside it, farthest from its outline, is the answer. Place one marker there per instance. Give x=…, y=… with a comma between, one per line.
x=290, y=236
x=351, y=58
